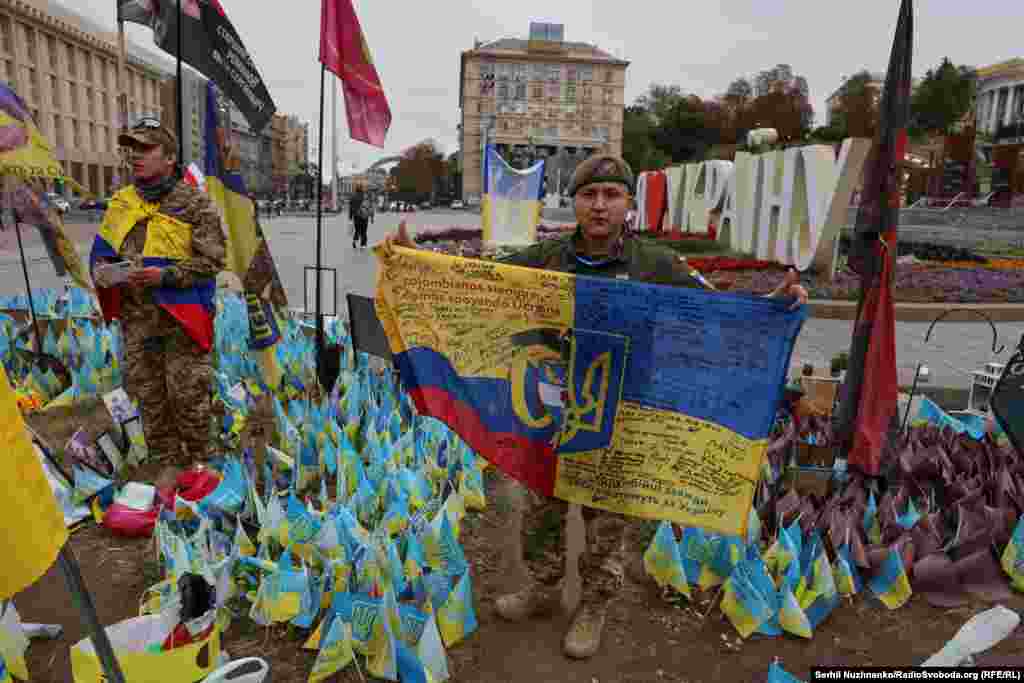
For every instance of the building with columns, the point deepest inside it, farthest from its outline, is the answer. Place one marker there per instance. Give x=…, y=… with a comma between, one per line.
x=999, y=116
x=1000, y=99
x=65, y=68
x=544, y=97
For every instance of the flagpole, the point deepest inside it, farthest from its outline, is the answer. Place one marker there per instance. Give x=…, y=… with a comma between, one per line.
x=319, y=230
x=334, y=143
x=122, y=91
x=181, y=100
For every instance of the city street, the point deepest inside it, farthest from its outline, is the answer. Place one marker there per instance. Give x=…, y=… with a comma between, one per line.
x=954, y=351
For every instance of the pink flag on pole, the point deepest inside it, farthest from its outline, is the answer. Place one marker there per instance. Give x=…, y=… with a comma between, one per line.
x=343, y=50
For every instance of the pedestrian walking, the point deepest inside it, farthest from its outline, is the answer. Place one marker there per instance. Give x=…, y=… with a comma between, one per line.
x=359, y=212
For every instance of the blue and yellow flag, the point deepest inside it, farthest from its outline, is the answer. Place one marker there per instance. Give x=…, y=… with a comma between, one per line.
x=1013, y=557
x=248, y=251
x=749, y=598
x=663, y=562
x=31, y=524
x=457, y=616
x=547, y=374
x=792, y=617
x=848, y=580
x=891, y=585
x=335, y=651
x=776, y=674
x=511, y=203
x=871, y=525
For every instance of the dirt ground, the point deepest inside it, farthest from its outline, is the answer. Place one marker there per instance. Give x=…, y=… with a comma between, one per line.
x=647, y=639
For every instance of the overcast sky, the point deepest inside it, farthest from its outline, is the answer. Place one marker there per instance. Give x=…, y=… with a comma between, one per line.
x=701, y=46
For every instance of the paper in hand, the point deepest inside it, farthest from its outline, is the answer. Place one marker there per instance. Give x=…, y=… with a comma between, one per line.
x=113, y=274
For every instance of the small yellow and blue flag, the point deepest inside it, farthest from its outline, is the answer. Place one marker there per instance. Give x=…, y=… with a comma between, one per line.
x=457, y=617
x=1013, y=557
x=792, y=618
x=891, y=585
x=662, y=560
x=335, y=651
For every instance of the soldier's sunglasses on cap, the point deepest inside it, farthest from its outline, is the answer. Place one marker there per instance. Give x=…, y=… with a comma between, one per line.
x=148, y=122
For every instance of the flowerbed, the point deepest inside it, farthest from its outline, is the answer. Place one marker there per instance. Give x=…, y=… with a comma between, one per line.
x=963, y=278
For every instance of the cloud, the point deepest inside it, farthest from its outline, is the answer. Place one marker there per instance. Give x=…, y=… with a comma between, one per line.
x=700, y=46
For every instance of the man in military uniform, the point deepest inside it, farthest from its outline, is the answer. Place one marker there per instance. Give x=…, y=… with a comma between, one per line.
x=170, y=235
x=601, y=246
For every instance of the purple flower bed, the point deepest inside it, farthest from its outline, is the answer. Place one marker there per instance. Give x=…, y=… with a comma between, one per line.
x=913, y=283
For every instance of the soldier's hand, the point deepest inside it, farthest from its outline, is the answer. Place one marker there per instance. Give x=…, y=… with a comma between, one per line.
x=146, y=277
x=791, y=287
x=397, y=239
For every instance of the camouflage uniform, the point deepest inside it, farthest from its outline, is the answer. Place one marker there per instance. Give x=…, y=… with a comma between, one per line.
x=601, y=563
x=165, y=370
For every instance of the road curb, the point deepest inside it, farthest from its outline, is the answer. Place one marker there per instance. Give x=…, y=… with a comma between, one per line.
x=829, y=309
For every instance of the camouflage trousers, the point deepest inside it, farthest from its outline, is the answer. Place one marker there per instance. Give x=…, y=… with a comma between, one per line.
x=171, y=377
x=601, y=563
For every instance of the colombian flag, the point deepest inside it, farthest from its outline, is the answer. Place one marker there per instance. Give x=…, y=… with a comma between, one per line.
x=549, y=376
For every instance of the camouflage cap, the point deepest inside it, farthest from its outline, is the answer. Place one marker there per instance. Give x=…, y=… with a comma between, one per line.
x=147, y=133
x=602, y=168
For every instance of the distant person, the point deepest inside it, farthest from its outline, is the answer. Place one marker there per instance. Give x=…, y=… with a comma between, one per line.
x=359, y=212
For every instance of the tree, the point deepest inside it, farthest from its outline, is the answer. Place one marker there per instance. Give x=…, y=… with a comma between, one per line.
x=659, y=100
x=421, y=172
x=943, y=97
x=856, y=112
x=683, y=132
x=638, y=147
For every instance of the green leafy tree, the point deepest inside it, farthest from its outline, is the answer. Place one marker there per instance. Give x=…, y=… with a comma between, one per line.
x=943, y=97
x=638, y=147
x=856, y=112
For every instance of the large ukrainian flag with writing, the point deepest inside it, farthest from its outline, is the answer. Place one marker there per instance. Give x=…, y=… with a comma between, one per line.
x=648, y=400
x=248, y=252
x=511, y=203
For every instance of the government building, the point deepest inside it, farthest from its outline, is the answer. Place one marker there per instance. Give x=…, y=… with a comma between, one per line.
x=544, y=97
x=999, y=116
x=66, y=71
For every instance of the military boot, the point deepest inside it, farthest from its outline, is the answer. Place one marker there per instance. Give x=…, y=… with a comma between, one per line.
x=532, y=601
x=584, y=635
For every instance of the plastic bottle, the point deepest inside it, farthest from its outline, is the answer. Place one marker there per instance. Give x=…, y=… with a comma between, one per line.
x=257, y=671
x=981, y=632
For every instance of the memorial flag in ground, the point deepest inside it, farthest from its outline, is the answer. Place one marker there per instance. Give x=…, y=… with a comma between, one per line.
x=869, y=410
x=512, y=201
x=343, y=50
x=648, y=400
x=210, y=44
x=31, y=522
x=248, y=251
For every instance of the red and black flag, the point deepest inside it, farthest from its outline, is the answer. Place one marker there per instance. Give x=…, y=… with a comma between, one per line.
x=869, y=403
x=209, y=44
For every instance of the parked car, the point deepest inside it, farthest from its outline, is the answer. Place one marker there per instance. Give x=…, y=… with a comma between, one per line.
x=94, y=204
x=59, y=202
x=457, y=204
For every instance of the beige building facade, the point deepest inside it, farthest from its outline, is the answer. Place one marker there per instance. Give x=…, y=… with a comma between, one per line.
x=67, y=76
x=539, y=98
x=296, y=145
